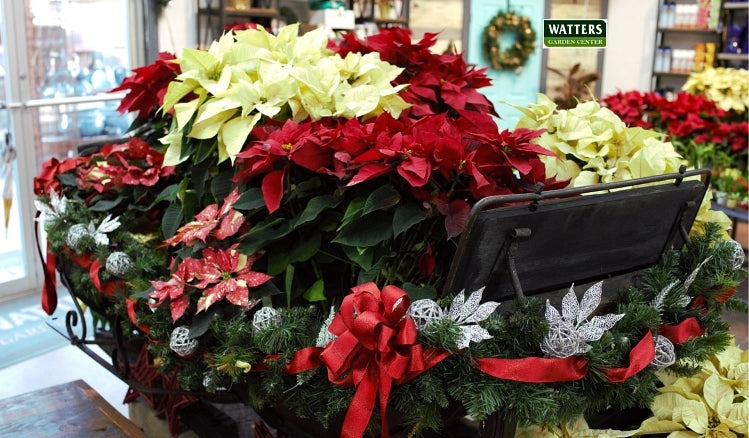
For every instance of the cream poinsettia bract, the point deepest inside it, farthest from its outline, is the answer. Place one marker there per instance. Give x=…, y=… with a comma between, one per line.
x=250, y=74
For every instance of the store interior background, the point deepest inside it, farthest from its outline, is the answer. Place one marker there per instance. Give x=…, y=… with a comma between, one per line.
x=625, y=64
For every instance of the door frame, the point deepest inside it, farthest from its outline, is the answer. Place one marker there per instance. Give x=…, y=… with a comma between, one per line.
x=142, y=49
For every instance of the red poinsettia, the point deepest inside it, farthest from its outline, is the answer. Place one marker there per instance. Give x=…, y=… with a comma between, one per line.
x=47, y=180
x=224, y=222
x=225, y=274
x=147, y=86
x=687, y=119
x=133, y=163
x=173, y=291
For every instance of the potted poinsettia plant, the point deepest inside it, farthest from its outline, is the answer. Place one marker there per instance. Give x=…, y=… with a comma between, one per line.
x=286, y=234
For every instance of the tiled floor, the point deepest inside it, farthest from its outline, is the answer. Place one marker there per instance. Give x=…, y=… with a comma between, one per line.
x=61, y=366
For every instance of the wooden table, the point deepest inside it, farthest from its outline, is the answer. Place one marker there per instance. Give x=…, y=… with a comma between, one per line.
x=72, y=409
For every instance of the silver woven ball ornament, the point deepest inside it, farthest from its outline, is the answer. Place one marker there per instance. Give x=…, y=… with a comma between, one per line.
x=76, y=233
x=265, y=318
x=181, y=343
x=561, y=341
x=424, y=312
x=738, y=253
x=665, y=356
x=118, y=264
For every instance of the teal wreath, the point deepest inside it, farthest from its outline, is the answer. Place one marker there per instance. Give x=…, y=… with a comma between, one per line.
x=515, y=56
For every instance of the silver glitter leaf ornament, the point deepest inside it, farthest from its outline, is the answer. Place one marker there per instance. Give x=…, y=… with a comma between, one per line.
x=658, y=303
x=465, y=312
x=57, y=206
x=693, y=275
x=106, y=226
x=570, y=331
x=324, y=337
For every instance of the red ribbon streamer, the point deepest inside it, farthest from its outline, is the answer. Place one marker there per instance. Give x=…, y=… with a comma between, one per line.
x=49, y=290
x=682, y=332
x=131, y=308
x=376, y=347
x=49, y=269
x=639, y=358
x=535, y=369
x=305, y=359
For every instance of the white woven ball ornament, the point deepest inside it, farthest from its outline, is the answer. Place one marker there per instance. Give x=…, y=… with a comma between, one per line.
x=265, y=317
x=181, y=343
x=118, y=264
x=664, y=352
x=424, y=312
x=76, y=233
x=561, y=341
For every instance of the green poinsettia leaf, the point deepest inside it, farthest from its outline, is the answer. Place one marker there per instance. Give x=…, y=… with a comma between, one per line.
x=263, y=233
x=362, y=257
x=201, y=323
x=107, y=204
x=221, y=185
x=353, y=212
x=68, y=179
x=265, y=290
x=203, y=149
x=382, y=198
x=368, y=230
x=278, y=260
x=171, y=220
x=314, y=207
x=306, y=248
x=316, y=292
x=406, y=216
x=250, y=199
x=416, y=292
x=200, y=176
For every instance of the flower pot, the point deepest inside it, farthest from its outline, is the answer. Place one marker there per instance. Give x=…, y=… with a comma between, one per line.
x=732, y=203
x=720, y=197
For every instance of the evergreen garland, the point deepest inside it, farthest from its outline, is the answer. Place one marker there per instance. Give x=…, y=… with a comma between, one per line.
x=234, y=356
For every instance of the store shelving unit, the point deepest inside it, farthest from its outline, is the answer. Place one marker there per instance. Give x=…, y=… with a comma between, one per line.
x=214, y=16
x=383, y=13
x=733, y=12
x=677, y=38
x=687, y=37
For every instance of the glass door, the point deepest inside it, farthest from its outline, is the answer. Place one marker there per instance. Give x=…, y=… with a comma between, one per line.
x=59, y=60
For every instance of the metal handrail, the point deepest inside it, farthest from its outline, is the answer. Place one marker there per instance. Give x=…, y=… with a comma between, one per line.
x=36, y=103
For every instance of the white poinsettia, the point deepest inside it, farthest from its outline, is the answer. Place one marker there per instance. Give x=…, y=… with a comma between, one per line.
x=570, y=331
x=466, y=313
x=592, y=145
x=727, y=87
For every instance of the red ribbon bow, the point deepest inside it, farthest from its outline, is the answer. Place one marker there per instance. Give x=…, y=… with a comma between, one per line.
x=376, y=348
